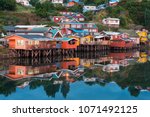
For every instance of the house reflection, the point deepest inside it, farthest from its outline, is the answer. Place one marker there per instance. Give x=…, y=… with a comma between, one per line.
x=16, y=72
x=20, y=71
x=57, y=76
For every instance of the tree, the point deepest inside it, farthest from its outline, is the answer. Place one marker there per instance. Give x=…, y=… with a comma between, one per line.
x=33, y=2
x=59, y=7
x=93, y=2
x=88, y=15
x=9, y=5
x=76, y=8
x=43, y=9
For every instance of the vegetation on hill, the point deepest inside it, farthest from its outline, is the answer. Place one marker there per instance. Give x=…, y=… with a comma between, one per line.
x=129, y=11
x=94, y=2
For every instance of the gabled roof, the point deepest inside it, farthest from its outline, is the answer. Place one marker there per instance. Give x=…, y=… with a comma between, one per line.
x=55, y=32
x=65, y=39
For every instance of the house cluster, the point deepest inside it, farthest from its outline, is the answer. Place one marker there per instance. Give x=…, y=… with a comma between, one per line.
x=69, y=35
x=72, y=67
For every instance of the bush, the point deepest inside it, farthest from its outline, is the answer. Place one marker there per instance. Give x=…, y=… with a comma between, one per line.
x=101, y=27
x=33, y=2
x=89, y=15
x=9, y=5
x=43, y=9
x=76, y=8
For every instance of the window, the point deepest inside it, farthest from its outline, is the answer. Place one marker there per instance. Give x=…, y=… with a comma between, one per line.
x=36, y=71
x=72, y=42
x=90, y=25
x=20, y=42
x=20, y=71
x=30, y=42
x=30, y=72
x=67, y=26
x=81, y=19
x=73, y=26
x=78, y=26
x=86, y=30
x=36, y=42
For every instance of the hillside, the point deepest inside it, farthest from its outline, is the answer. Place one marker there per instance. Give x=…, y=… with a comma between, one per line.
x=131, y=13
x=22, y=15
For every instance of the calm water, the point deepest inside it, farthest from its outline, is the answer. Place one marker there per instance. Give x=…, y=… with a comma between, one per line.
x=88, y=76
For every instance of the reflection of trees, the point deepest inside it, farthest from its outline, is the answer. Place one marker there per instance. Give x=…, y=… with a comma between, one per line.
x=133, y=91
x=35, y=84
x=65, y=88
x=128, y=77
x=7, y=87
x=49, y=88
x=137, y=75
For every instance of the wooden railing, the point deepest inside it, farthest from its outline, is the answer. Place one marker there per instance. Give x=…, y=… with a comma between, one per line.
x=40, y=46
x=97, y=43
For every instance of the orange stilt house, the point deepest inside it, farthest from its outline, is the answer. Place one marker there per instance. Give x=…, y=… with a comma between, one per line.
x=69, y=43
x=29, y=42
x=70, y=63
x=16, y=72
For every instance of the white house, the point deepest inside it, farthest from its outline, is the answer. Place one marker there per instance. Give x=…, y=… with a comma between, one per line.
x=23, y=2
x=113, y=2
x=89, y=8
x=57, y=1
x=111, y=22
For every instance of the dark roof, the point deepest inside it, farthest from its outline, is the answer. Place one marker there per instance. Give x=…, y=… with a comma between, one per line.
x=33, y=30
x=9, y=28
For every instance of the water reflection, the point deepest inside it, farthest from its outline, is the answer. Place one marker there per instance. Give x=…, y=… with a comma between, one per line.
x=128, y=70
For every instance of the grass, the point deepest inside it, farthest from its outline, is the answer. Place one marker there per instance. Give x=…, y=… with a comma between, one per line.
x=23, y=9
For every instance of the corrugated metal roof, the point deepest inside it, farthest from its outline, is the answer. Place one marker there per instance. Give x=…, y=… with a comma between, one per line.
x=35, y=37
x=9, y=28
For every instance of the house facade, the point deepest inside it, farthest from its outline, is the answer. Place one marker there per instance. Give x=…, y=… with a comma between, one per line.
x=89, y=27
x=89, y=8
x=113, y=2
x=71, y=4
x=66, y=13
x=57, y=1
x=57, y=19
x=23, y=2
x=111, y=22
x=29, y=42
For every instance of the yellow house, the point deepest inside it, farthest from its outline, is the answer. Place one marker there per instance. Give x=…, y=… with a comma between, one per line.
x=143, y=35
x=143, y=58
x=89, y=39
